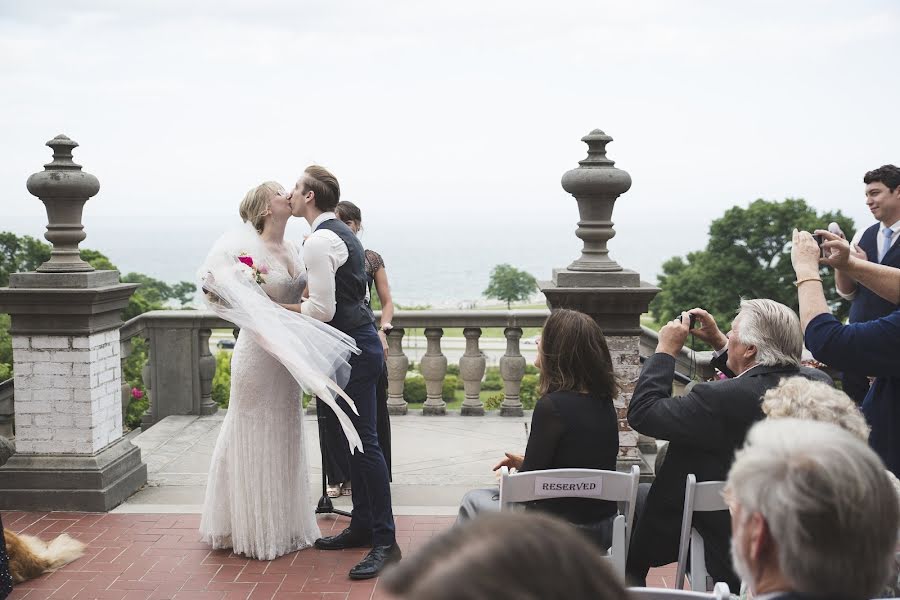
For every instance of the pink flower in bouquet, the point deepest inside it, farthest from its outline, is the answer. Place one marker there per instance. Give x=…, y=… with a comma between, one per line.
x=136, y=393
x=258, y=272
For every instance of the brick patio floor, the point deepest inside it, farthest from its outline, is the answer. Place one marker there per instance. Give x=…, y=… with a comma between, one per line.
x=159, y=556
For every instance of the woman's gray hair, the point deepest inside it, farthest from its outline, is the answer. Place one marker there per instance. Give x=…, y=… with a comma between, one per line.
x=828, y=503
x=774, y=329
x=802, y=398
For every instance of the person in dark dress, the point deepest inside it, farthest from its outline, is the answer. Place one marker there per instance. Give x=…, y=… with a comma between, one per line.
x=574, y=425
x=337, y=463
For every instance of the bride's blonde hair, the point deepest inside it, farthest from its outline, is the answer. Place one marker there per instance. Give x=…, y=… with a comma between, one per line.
x=255, y=205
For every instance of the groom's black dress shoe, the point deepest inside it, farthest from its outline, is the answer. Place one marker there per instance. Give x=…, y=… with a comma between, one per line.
x=345, y=539
x=375, y=561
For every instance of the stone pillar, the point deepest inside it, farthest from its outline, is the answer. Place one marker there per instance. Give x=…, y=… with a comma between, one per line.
x=397, y=366
x=471, y=369
x=67, y=367
x=512, y=369
x=597, y=285
x=434, y=368
x=207, y=365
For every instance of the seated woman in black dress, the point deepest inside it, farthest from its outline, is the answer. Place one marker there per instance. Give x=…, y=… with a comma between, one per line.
x=574, y=425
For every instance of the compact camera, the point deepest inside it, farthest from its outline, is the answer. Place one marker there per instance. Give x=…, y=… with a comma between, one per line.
x=693, y=319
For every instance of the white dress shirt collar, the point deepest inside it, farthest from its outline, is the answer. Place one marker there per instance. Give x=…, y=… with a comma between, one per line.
x=326, y=216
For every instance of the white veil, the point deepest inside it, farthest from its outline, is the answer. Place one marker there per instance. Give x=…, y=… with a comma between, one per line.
x=316, y=354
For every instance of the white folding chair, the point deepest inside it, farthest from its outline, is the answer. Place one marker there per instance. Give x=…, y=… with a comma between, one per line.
x=579, y=483
x=720, y=592
x=698, y=497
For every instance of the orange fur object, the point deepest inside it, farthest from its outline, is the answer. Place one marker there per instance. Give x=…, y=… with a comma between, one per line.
x=30, y=556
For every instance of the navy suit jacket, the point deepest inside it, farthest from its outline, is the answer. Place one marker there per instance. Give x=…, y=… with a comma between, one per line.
x=872, y=347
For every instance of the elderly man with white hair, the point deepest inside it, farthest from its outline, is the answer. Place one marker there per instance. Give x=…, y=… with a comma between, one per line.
x=706, y=426
x=813, y=513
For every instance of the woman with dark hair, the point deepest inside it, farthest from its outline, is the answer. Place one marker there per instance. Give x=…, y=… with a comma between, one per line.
x=506, y=556
x=337, y=463
x=574, y=425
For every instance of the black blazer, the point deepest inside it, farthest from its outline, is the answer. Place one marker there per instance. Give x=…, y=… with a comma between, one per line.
x=704, y=428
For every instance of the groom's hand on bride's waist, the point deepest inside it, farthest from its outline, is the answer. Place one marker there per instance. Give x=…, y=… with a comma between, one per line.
x=291, y=307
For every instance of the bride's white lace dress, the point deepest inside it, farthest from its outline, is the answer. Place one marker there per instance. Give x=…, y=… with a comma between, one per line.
x=259, y=501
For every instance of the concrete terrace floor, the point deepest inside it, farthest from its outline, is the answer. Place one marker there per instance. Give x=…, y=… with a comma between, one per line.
x=435, y=460
x=149, y=547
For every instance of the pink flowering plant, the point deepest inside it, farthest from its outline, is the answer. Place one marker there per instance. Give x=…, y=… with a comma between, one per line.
x=257, y=271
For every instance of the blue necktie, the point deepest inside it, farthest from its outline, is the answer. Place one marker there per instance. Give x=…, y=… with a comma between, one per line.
x=887, y=232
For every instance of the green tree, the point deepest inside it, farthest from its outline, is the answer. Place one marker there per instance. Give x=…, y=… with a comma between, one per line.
x=748, y=255
x=509, y=284
x=20, y=254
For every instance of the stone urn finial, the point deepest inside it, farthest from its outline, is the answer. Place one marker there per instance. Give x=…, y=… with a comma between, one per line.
x=596, y=184
x=63, y=188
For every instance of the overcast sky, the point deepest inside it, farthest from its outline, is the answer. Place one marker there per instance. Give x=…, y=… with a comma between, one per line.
x=435, y=114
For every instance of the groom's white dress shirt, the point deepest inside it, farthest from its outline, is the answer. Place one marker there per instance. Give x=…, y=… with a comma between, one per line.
x=324, y=253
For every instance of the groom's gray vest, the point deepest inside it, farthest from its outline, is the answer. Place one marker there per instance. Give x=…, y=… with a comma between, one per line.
x=350, y=282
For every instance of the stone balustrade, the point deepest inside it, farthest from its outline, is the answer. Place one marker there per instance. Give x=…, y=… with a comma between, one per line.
x=472, y=364
x=180, y=369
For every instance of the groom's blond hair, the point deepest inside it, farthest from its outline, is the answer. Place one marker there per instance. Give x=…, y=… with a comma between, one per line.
x=324, y=185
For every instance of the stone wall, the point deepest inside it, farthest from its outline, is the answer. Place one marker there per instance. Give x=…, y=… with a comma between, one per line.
x=627, y=366
x=68, y=392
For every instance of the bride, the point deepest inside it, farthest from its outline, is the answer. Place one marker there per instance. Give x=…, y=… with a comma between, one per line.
x=259, y=500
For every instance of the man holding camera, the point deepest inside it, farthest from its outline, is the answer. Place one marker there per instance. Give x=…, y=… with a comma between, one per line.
x=877, y=244
x=707, y=425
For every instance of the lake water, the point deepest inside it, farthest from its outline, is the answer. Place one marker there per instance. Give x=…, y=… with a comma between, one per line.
x=443, y=264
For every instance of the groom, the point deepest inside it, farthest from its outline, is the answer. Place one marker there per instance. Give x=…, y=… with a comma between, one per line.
x=337, y=289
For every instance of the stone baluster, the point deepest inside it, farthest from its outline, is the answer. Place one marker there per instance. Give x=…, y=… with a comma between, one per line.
x=471, y=369
x=149, y=417
x=512, y=369
x=207, y=367
x=397, y=366
x=434, y=368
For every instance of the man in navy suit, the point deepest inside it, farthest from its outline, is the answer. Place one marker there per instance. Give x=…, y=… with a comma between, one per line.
x=334, y=260
x=878, y=244
x=813, y=513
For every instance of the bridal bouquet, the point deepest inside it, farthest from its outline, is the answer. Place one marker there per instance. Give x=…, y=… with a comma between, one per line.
x=256, y=271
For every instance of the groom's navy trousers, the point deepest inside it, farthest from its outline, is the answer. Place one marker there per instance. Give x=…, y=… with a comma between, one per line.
x=368, y=470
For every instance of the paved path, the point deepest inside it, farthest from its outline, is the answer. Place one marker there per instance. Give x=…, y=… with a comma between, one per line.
x=435, y=460
x=160, y=557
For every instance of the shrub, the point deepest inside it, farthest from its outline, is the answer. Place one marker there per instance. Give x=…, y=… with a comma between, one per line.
x=448, y=390
x=453, y=370
x=5, y=371
x=132, y=369
x=493, y=402
x=414, y=389
x=530, y=369
x=492, y=381
x=529, y=392
x=221, y=383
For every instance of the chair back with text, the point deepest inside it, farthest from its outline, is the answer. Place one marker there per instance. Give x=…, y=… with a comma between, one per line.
x=698, y=497
x=594, y=484
x=720, y=592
